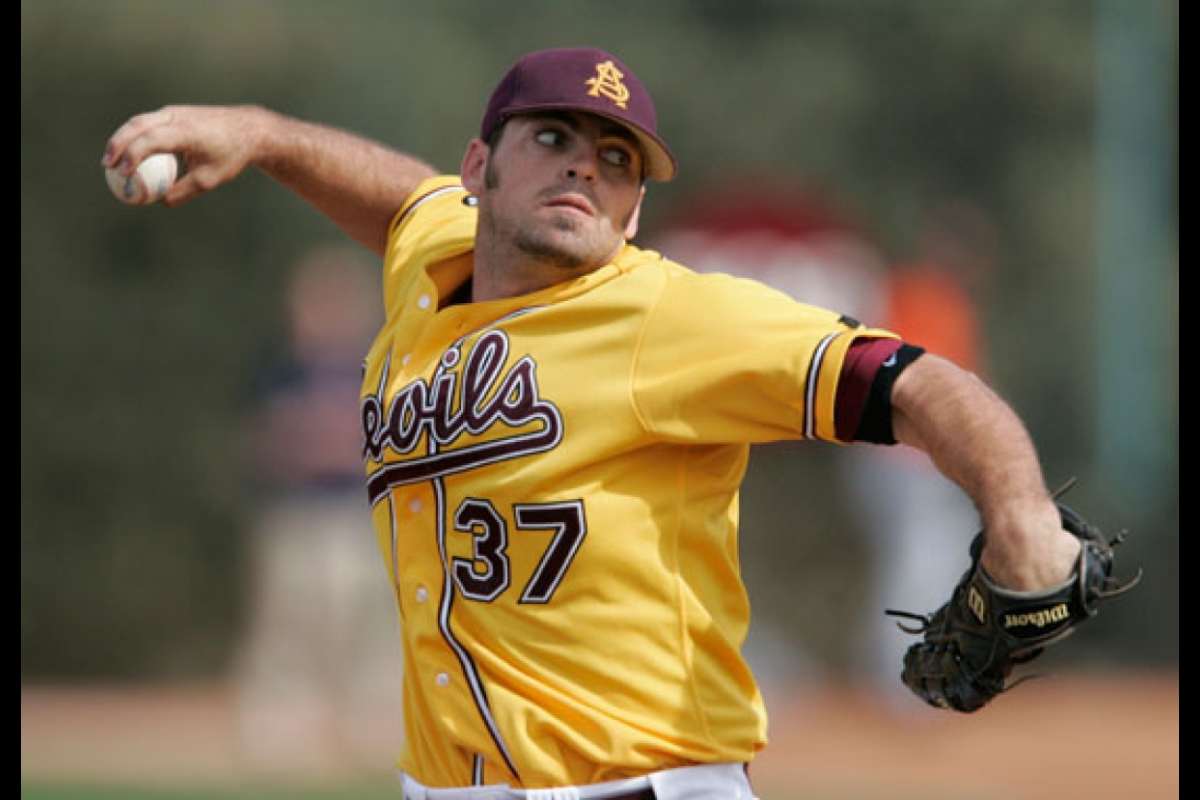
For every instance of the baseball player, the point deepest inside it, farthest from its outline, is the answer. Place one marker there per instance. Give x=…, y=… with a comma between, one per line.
x=556, y=423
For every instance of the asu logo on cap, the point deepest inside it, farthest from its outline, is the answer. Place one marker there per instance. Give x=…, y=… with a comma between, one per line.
x=607, y=83
x=552, y=80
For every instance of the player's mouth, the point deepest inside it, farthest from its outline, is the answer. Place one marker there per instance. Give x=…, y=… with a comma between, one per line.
x=572, y=202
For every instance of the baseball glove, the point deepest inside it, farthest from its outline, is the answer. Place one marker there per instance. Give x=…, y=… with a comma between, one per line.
x=970, y=645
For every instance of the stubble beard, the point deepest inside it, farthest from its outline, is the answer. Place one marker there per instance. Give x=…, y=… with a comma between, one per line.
x=534, y=242
x=541, y=248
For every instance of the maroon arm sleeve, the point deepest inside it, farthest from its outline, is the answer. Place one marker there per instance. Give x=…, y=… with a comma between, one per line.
x=863, y=410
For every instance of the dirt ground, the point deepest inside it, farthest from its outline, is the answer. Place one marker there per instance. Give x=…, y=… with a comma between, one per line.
x=1078, y=736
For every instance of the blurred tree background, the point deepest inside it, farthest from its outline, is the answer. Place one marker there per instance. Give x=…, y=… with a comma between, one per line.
x=140, y=327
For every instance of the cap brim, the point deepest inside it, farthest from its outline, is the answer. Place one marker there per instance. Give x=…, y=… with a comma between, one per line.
x=660, y=164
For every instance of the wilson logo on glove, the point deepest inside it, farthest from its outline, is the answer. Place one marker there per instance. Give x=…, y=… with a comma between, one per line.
x=1036, y=619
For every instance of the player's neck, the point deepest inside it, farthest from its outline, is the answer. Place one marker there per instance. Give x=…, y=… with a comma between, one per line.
x=513, y=275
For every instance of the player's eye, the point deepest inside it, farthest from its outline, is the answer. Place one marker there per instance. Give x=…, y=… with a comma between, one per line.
x=616, y=156
x=550, y=137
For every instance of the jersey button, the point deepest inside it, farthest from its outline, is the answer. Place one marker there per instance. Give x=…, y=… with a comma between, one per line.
x=442, y=679
x=423, y=301
x=422, y=594
x=415, y=505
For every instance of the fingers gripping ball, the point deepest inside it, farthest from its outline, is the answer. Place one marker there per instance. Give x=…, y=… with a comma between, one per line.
x=970, y=645
x=153, y=178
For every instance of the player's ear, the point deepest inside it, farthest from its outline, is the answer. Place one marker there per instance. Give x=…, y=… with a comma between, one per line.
x=631, y=226
x=474, y=165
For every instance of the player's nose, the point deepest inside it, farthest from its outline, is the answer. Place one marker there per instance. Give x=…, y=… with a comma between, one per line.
x=583, y=163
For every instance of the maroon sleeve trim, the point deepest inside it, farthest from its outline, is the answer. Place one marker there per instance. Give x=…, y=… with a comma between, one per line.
x=859, y=370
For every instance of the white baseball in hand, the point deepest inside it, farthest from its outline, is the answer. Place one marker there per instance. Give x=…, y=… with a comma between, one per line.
x=154, y=176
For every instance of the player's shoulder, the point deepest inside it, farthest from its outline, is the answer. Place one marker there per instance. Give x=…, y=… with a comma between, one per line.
x=718, y=287
x=437, y=220
x=680, y=298
x=650, y=263
x=441, y=196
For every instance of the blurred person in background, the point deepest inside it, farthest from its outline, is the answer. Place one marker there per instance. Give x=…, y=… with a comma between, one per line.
x=318, y=673
x=777, y=231
x=912, y=515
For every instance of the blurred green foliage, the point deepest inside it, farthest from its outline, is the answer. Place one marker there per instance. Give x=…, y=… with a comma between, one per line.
x=140, y=327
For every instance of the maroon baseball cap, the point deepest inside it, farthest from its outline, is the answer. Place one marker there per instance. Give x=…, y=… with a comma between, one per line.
x=581, y=79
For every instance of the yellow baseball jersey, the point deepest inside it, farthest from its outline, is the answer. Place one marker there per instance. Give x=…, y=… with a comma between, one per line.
x=554, y=485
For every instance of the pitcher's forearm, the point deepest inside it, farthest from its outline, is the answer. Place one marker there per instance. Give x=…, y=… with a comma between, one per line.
x=356, y=182
x=975, y=439
x=971, y=435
